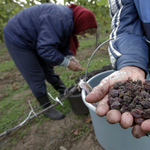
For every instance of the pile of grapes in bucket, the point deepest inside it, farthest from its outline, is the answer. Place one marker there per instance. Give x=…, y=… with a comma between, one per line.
x=131, y=96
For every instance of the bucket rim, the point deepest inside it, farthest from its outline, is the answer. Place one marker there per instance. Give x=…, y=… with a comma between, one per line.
x=83, y=93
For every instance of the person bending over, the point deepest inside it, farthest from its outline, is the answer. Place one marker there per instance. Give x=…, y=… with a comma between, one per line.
x=43, y=36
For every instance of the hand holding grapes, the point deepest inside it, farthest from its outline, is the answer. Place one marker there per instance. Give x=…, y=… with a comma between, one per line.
x=100, y=93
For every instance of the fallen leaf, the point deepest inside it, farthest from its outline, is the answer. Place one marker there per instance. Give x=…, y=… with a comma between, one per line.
x=72, y=76
x=84, y=68
x=15, y=86
x=77, y=131
x=88, y=120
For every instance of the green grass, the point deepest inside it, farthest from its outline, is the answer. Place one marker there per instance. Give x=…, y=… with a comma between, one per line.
x=3, y=50
x=12, y=108
x=7, y=65
x=88, y=43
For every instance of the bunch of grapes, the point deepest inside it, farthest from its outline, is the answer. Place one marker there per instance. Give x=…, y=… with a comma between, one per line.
x=131, y=96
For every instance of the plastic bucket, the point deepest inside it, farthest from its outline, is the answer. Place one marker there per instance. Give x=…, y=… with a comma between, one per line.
x=112, y=136
x=76, y=103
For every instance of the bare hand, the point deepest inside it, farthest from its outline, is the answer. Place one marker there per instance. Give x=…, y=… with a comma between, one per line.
x=74, y=60
x=74, y=66
x=99, y=93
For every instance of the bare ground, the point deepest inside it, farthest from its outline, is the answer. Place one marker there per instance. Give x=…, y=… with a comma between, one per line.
x=70, y=133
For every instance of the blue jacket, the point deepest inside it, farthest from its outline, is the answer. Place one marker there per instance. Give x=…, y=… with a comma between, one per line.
x=44, y=28
x=130, y=24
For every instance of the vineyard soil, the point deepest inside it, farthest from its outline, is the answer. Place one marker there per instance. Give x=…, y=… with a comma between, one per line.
x=71, y=133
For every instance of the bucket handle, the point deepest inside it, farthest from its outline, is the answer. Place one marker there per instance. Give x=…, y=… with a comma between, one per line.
x=89, y=105
x=94, y=53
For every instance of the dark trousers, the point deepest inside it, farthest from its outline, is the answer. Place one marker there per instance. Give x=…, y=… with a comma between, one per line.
x=34, y=70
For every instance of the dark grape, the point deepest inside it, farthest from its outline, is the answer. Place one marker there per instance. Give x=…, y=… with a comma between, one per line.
x=136, y=113
x=131, y=96
x=115, y=105
x=139, y=120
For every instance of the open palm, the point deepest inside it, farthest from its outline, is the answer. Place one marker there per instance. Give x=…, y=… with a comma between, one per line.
x=100, y=93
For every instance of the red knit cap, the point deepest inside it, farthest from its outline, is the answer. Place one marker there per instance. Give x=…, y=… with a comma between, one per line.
x=83, y=19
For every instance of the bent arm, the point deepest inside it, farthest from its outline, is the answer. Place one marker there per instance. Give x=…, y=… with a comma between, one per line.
x=51, y=34
x=129, y=47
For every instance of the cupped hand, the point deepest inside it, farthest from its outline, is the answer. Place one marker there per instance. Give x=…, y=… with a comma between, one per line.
x=100, y=93
x=74, y=66
x=75, y=61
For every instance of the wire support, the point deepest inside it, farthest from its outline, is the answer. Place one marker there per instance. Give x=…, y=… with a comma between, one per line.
x=29, y=118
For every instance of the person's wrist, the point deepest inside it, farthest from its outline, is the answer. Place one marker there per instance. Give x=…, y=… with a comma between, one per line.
x=69, y=57
x=134, y=69
x=65, y=62
x=68, y=63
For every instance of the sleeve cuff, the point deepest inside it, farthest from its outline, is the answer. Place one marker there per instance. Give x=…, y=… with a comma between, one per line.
x=131, y=61
x=65, y=62
x=69, y=57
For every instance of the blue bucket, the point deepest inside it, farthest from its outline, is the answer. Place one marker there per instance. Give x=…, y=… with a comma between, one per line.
x=112, y=136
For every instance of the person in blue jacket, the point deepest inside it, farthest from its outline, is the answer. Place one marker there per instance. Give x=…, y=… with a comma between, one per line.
x=129, y=55
x=43, y=36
